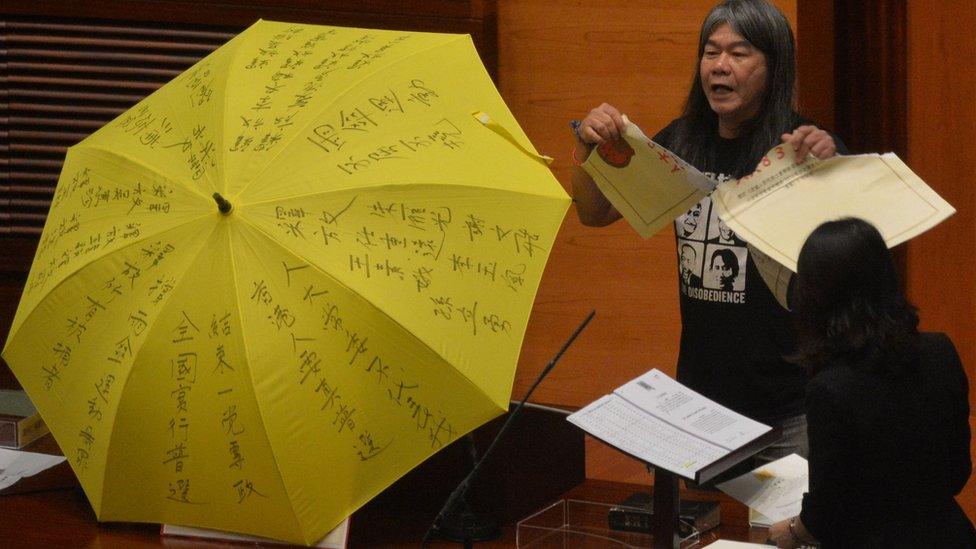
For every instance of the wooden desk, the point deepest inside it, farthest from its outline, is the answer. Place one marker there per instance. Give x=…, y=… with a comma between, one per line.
x=50, y=510
x=735, y=515
x=540, y=458
x=62, y=518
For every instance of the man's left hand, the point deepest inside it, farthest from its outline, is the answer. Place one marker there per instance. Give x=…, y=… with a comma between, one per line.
x=810, y=140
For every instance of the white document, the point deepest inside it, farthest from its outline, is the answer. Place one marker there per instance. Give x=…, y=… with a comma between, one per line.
x=777, y=207
x=658, y=420
x=16, y=464
x=648, y=184
x=775, y=490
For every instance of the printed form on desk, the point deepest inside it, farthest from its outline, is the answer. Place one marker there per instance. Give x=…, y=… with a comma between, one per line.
x=658, y=420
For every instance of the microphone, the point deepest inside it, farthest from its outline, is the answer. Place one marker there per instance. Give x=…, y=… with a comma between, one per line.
x=462, y=488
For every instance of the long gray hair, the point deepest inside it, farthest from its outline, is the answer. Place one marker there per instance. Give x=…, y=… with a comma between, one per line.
x=767, y=29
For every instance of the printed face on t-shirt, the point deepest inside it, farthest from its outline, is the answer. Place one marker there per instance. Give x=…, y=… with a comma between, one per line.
x=723, y=269
x=688, y=257
x=691, y=219
x=725, y=233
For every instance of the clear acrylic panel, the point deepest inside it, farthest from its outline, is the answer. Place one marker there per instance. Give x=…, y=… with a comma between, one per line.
x=580, y=524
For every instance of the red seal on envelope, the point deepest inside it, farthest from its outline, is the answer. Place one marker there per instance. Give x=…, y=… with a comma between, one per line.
x=616, y=153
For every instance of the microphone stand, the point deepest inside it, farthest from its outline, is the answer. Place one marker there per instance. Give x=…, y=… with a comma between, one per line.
x=458, y=494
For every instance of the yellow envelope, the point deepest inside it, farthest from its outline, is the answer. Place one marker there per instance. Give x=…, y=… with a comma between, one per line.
x=648, y=184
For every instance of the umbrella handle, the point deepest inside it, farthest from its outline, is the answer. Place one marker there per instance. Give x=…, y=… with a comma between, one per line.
x=222, y=204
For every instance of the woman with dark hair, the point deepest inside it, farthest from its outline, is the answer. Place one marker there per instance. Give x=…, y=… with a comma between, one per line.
x=725, y=269
x=887, y=409
x=740, y=105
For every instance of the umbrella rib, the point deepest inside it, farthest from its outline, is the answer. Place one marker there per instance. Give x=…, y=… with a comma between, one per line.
x=135, y=352
x=338, y=282
x=250, y=373
x=233, y=57
x=97, y=147
x=311, y=119
x=517, y=192
x=236, y=289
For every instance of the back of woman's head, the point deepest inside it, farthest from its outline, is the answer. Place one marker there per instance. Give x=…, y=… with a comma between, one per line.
x=848, y=303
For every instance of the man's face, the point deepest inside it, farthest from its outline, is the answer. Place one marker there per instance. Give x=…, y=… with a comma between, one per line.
x=733, y=76
x=724, y=231
x=690, y=222
x=687, y=260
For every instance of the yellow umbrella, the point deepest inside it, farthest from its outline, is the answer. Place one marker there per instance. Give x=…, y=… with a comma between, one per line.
x=284, y=279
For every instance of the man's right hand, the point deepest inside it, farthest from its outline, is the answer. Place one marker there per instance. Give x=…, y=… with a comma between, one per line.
x=604, y=123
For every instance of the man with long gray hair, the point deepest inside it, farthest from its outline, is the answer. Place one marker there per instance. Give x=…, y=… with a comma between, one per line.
x=741, y=104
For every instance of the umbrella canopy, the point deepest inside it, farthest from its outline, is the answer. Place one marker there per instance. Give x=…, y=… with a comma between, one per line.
x=284, y=279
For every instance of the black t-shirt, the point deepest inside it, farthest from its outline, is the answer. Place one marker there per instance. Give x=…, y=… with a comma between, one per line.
x=734, y=334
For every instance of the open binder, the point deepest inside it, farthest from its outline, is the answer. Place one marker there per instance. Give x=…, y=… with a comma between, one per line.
x=679, y=432
x=657, y=420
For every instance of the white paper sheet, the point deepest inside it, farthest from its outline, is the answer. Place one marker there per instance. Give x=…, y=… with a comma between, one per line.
x=775, y=490
x=648, y=184
x=624, y=426
x=17, y=464
x=777, y=207
x=663, y=397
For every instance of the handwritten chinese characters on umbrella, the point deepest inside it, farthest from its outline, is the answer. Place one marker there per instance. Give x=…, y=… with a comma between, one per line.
x=357, y=300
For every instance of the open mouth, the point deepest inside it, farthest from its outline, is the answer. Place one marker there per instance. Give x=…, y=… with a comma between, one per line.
x=720, y=89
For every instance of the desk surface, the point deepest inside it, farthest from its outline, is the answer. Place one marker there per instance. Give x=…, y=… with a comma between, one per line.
x=55, y=513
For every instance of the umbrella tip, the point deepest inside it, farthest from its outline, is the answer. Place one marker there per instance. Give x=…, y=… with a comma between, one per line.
x=222, y=204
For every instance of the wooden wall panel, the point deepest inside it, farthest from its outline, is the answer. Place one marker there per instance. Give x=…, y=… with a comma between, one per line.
x=815, y=51
x=872, y=82
x=941, y=139
x=557, y=60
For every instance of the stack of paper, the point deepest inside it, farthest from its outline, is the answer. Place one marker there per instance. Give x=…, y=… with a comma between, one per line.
x=774, y=491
